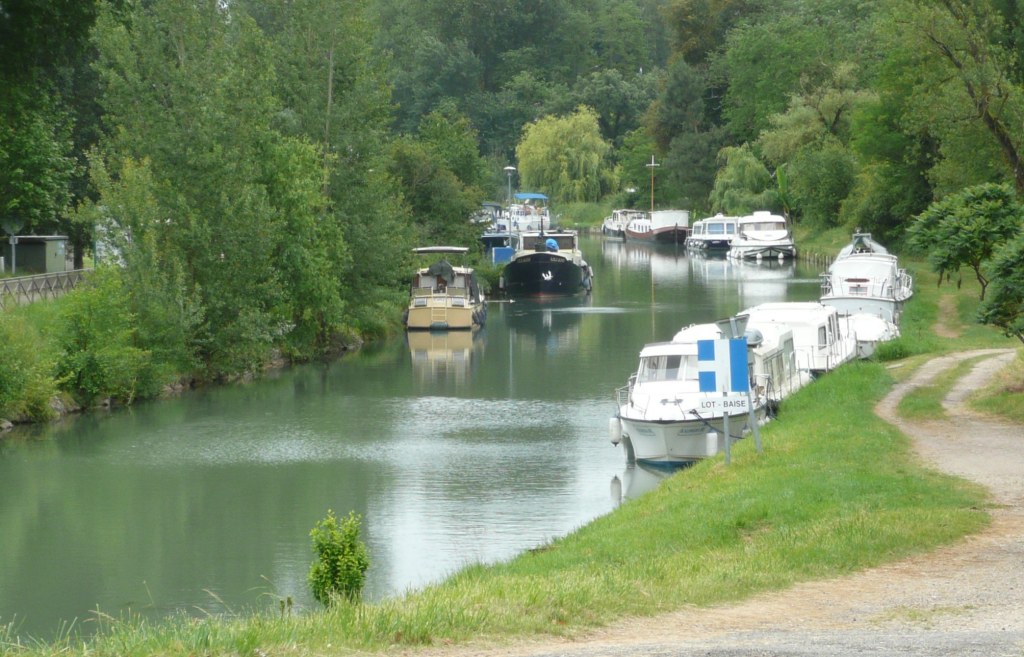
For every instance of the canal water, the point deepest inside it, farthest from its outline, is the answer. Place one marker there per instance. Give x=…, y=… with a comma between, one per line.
x=455, y=449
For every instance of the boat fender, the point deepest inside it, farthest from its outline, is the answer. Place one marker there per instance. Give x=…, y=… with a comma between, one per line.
x=615, y=430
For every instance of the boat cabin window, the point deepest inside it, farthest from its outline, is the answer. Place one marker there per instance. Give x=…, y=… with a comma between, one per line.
x=670, y=367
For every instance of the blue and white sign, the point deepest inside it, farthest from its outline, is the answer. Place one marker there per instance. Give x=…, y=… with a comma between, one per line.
x=722, y=365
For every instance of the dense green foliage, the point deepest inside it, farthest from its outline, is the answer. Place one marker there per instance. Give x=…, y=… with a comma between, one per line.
x=259, y=170
x=339, y=570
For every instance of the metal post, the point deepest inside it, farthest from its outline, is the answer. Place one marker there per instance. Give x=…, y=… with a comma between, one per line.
x=510, y=170
x=753, y=422
x=728, y=433
x=652, y=166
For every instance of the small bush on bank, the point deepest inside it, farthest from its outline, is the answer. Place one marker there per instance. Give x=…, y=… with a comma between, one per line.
x=98, y=356
x=340, y=567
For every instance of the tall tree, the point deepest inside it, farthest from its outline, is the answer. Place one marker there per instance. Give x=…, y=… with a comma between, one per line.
x=187, y=88
x=963, y=78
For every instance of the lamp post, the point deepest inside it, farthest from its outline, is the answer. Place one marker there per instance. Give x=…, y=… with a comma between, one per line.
x=510, y=170
x=652, y=166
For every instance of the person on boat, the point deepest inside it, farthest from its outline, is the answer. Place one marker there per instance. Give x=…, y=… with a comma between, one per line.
x=552, y=244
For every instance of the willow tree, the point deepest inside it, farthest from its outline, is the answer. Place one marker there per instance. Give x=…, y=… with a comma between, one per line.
x=564, y=157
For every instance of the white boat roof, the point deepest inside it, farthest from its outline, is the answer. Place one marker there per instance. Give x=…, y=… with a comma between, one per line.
x=668, y=349
x=695, y=332
x=762, y=215
x=441, y=249
x=868, y=265
x=789, y=312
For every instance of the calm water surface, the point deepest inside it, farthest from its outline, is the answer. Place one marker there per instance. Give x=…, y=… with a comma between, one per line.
x=455, y=449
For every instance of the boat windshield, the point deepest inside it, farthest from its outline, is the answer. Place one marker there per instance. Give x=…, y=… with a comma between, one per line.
x=765, y=225
x=668, y=367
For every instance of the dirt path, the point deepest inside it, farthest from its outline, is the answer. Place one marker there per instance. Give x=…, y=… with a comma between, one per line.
x=964, y=599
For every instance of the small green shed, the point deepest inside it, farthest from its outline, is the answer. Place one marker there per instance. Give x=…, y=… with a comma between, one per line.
x=36, y=254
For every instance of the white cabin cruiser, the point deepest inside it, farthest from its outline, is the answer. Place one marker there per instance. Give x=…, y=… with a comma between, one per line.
x=662, y=416
x=762, y=235
x=869, y=283
x=713, y=234
x=821, y=340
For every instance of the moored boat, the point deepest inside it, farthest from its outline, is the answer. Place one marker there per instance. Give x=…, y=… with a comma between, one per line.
x=715, y=234
x=663, y=417
x=661, y=226
x=614, y=225
x=530, y=212
x=821, y=341
x=547, y=264
x=443, y=296
x=762, y=235
x=865, y=278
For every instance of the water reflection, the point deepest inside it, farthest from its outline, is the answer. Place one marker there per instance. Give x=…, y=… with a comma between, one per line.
x=445, y=355
x=638, y=479
x=546, y=325
x=664, y=262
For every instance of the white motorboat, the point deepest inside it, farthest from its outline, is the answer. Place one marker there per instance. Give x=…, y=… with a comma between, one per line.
x=869, y=330
x=530, y=212
x=713, y=234
x=762, y=235
x=662, y=416
x=821, y=341
x=615, y=224
x=869, y=283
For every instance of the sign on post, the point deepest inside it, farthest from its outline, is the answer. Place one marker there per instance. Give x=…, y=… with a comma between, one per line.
x=722, y=365
x=722, y=368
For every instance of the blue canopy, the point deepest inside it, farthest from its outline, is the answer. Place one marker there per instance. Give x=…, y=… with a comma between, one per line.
x=523, y=196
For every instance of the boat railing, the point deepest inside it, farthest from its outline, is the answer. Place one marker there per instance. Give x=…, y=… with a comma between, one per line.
x=622, y=395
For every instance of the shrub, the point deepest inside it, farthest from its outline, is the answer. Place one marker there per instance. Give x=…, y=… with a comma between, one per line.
x=25, y=383
x=340, y=567
x=97, y=339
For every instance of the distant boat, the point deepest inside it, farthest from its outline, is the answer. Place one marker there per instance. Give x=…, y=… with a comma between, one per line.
x=662, y=226
x=547, y=264
x=713, y=234
x=861, y=243
x=866, y=278
x=445, y=297
x=530, y=212
x=762, y=235
x=614, y=225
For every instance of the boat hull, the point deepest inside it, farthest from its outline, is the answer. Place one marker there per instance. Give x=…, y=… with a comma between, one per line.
x=780, y=250
x=544, y=274
x=684, y=441
x=440, y=315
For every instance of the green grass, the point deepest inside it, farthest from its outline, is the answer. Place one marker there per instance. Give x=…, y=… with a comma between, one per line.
x=925, y=402
x=1005, y=395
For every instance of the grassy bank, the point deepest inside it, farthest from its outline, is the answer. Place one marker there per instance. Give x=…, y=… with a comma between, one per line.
x=836, y=490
